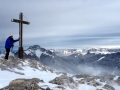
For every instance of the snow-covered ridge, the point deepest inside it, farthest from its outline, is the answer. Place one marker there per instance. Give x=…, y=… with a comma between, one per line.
x=37, y=50
x=85, y=51
x=14, y=69
x=104, y=50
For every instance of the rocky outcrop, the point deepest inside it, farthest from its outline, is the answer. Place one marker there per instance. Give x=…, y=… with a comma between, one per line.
x=25, y=84
x=64, y=80
x=9, y=65
x=108, y=87
x=82, y=76
x=88, y=79
x=98, y=80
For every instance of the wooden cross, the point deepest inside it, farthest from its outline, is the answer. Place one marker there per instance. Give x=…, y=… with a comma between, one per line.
x=21, y=22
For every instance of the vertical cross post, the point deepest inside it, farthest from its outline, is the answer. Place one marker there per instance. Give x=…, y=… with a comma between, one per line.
x=20, y=50
x=21, y=22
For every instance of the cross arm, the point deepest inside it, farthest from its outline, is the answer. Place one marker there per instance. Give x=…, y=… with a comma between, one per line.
x=18, y=21
x=15, y=20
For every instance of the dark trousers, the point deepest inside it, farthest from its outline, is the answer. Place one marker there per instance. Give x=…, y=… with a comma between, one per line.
x=7, y=53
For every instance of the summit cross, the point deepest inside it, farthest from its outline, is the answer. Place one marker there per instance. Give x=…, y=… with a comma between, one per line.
x=21, y=22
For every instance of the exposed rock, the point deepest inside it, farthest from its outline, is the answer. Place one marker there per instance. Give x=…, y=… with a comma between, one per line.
x=99, y=89
x=61, y=73
x=61, y=87
x=118, y=81
x=82, y=81
x=108, y=87
x=35, y=64
x=82, y=76
x=24, y=84
x=90, y=80
x=94, y=83
x=64, y=80
x=9, y=65
x=108, y=78
x=48, y=88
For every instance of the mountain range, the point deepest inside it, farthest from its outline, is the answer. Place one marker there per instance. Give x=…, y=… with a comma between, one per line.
x=101, y=62
x=74, y=70
x=75, y=61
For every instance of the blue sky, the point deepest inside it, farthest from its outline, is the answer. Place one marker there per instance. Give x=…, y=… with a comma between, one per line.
x=62, y=23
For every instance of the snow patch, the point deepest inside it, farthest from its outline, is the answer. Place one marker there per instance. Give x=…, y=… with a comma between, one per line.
x=101, y=58
x=38, y=53
x=1, y=56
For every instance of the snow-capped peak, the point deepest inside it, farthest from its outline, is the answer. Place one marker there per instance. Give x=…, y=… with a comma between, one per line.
x=36, y=50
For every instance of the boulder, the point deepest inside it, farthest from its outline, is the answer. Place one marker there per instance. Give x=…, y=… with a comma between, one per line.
x=108, y=87
x=65, y=81
x=24, y=84
x=82, y=76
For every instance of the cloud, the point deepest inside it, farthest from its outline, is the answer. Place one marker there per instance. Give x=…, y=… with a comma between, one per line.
x=62, y=23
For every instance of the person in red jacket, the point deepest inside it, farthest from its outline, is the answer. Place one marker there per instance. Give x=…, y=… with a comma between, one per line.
x=8, y=44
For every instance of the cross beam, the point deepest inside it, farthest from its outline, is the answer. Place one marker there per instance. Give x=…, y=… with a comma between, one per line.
x=18, y=21
x=21, y=22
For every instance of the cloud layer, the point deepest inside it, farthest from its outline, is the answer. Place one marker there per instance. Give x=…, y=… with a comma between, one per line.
x=63, y=23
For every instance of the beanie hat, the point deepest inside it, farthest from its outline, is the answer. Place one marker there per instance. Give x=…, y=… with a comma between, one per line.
x=10, y=35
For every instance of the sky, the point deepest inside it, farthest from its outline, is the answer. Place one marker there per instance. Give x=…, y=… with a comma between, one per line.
x=58, y=24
